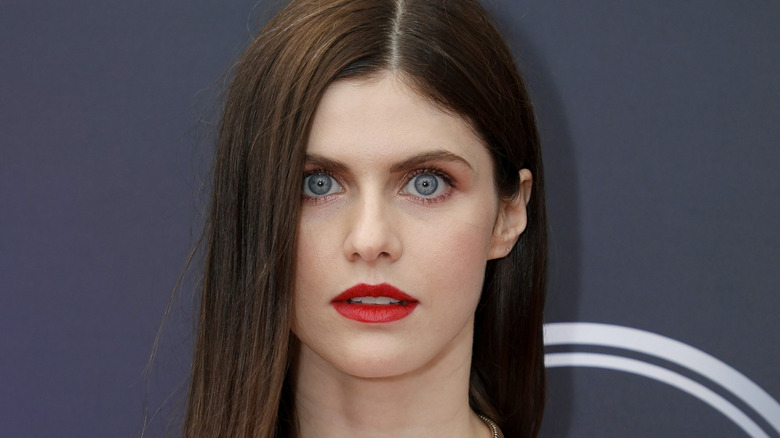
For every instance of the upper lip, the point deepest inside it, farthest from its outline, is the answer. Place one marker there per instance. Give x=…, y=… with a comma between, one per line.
x=378, y=290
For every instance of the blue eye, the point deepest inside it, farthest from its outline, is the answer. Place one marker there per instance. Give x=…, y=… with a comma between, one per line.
x=320, y=184
x=426, y=185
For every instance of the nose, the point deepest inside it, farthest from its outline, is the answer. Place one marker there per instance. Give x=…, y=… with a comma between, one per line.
x=373, y=235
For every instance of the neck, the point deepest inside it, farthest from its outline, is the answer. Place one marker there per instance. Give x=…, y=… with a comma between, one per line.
x=431, y=401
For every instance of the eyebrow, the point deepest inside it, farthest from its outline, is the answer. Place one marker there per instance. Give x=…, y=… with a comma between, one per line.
x=426, y=157
x=325, y=163
x=407, y=164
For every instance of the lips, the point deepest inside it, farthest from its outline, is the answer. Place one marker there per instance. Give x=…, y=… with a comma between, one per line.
x=374, y=303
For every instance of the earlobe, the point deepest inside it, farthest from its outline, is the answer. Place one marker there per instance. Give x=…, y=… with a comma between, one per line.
x=512, y=218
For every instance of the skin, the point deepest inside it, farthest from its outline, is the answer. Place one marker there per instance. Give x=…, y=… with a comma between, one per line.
x=372, y=139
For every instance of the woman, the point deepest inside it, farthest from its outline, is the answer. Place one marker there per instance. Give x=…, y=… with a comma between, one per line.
x=376, y=245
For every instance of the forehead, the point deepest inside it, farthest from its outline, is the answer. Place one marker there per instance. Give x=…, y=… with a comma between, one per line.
x=382, y=116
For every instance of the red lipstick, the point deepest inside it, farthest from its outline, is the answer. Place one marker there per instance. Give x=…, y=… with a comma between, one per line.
x=377, y=303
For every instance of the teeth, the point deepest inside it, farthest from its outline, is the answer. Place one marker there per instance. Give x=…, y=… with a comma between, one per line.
x=374, y=300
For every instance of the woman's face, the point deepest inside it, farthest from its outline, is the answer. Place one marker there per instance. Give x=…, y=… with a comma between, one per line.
x=398, y=199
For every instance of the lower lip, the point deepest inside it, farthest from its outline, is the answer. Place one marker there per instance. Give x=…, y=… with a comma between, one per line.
x=374, y=312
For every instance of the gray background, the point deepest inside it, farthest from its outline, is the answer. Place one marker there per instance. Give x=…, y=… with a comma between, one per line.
x=660, y=128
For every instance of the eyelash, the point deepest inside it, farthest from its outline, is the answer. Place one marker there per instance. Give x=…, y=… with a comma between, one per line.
x=435, y=172
x=319, y=199
x=407, y=178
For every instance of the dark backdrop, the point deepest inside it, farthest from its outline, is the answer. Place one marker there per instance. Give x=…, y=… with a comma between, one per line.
x=660, y=127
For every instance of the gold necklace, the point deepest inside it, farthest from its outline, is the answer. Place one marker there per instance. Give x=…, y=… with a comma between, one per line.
x=492, y=425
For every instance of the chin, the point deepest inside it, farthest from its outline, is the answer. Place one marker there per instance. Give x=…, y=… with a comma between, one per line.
x=378, y=364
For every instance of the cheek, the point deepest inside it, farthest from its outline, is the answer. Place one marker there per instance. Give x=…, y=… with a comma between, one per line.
x=462, y=253
x=452, y=257
x=311, y=268
x=308, y=257
x=319, y=247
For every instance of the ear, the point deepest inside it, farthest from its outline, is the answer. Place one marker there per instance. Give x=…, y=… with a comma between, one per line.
x=511, y=219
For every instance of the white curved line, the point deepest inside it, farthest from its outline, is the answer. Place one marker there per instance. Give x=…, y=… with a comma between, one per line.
x=663, y=375
x=582, y=333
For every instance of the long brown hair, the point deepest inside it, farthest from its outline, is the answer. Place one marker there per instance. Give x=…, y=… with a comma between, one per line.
x=450, y=53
